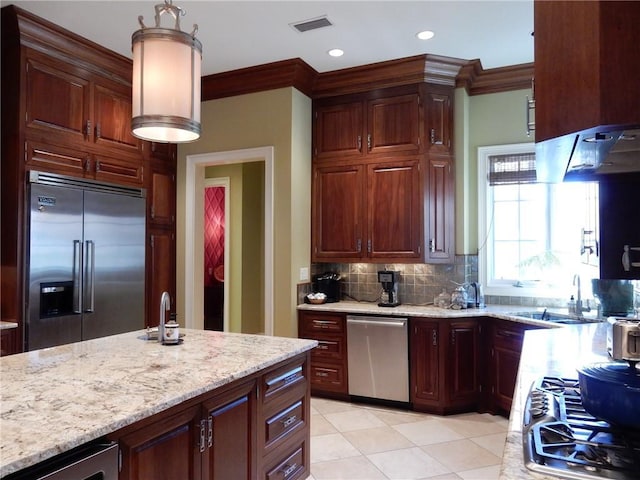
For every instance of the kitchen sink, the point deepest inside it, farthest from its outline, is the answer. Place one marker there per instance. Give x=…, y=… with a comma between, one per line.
x=554, y=317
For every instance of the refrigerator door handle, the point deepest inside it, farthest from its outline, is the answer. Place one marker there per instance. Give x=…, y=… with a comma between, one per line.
x=90, y=275
x=77, y=276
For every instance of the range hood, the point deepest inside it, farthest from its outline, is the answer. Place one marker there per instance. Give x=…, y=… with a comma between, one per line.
x=588, y=155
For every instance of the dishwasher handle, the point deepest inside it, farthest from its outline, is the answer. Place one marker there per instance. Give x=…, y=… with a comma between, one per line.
x=387, y=322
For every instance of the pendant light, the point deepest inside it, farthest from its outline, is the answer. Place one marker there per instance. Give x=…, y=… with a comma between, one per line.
x=166, y=80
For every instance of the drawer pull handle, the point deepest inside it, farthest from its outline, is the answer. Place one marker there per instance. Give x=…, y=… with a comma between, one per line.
x=289, y=469
x=323, y=323
x=323, y=346
x=287, y=422
x=322, y=374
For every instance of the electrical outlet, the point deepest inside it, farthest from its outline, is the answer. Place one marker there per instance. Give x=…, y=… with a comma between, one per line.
x=304, y=274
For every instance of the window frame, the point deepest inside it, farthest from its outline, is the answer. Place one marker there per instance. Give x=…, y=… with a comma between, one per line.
x=485, y=208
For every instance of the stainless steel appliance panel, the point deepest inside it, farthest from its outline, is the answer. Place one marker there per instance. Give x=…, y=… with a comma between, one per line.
x=114, y=253
x=54, y=256
x=378, y=356
x=85, y=260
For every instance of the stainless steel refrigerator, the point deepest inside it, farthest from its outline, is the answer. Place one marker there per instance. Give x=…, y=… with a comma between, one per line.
x=85, y=260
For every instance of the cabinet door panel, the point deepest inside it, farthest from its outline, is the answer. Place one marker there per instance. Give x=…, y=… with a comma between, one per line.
x=120, y=170
x=232, y=415
x=439, y=122
x=337, y=213
x=112, y=116
x=57, y=101
x=440, y=222
x=462, y=362
x=425, y=361
x=161, y=275
x=165, y=450
x=505, y=364
x=394, y=124
x=162, y=195
x=55, y=159
x=395, y=212
x=338, y=131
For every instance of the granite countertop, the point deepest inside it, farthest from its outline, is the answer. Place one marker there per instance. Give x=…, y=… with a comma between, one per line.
x=57, y=398
x=557, y=352
x=505, y=312
x=5, y=325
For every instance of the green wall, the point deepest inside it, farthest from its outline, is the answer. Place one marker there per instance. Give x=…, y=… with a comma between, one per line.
x=481, y=120
x=280, y=118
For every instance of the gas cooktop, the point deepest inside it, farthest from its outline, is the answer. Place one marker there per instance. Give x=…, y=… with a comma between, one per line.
x=561, y=438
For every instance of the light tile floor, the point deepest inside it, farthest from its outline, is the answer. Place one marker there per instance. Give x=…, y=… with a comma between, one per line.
x=366, y=442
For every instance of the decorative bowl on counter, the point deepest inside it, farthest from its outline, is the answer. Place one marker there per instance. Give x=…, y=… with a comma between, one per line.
x=316, y=298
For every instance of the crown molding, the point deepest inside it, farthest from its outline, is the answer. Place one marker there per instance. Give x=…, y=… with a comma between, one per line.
x=477, y=81
x=433, y=69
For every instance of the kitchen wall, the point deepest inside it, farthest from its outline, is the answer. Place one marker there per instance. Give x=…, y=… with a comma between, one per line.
x=280, y=118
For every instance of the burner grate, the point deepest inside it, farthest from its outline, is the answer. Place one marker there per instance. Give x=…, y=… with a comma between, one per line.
x=568, y=441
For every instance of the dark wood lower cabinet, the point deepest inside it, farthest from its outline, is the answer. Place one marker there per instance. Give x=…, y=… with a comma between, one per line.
x=164, y=450
x=232, y=421
x=444, y=364
x=253, y=428
x=504, y=344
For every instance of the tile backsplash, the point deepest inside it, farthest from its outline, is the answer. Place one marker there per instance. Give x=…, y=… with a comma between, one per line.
x=419, y=283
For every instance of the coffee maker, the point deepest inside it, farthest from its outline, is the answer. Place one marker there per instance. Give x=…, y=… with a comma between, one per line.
x=389, y=280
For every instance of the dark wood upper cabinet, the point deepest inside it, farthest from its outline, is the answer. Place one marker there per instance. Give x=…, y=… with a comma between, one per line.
x=587, y=66
x=383, y=188
x=394, y=210
x=394, y=124
x=440, y=201
x=381, y=122
x=338, y=130
x=66, y=104
x=338, y=212
x=57, y=101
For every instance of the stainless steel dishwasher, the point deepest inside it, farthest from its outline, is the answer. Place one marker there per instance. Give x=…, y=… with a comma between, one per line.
x=378, y=355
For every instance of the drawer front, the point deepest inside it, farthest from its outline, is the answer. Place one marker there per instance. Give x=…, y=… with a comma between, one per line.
x=290, y=468
x=282, y=380
x=327, y=376
x=318, y=323
x=506, y=336
x=329, y=347
x=284, y=422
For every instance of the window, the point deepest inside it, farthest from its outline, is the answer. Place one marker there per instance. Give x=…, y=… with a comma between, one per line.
x=533, y=237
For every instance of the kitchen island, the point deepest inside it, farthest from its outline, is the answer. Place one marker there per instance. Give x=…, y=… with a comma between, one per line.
x=557, y=352
x=57, y=398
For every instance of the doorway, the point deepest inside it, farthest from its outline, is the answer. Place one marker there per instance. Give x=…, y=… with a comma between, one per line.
x=216, y=254
x=194, y=230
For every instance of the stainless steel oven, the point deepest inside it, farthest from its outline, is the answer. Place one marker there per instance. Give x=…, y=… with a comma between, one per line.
x=93, y=461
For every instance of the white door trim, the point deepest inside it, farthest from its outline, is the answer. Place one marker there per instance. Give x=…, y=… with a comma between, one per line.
x=194, y=193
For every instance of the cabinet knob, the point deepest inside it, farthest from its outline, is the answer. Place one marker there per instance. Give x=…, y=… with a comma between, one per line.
x=87, y=130
x=369, y=142
x=434, y=337
x=359, y=143
x=432, y=136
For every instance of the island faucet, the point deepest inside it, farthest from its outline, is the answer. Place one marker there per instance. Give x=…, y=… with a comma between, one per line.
x=579, y=307
x=165, y=306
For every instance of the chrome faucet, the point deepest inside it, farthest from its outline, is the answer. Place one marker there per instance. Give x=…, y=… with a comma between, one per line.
x=165, y=306
x=579, y=307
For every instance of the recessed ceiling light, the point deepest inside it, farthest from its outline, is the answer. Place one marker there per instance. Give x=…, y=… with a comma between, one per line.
x=335, y=52
x=425, y=35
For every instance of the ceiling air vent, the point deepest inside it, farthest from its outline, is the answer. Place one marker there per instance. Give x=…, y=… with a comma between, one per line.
x=313, y=24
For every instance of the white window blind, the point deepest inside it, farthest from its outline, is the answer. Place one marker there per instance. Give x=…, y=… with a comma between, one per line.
x=512, y=169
